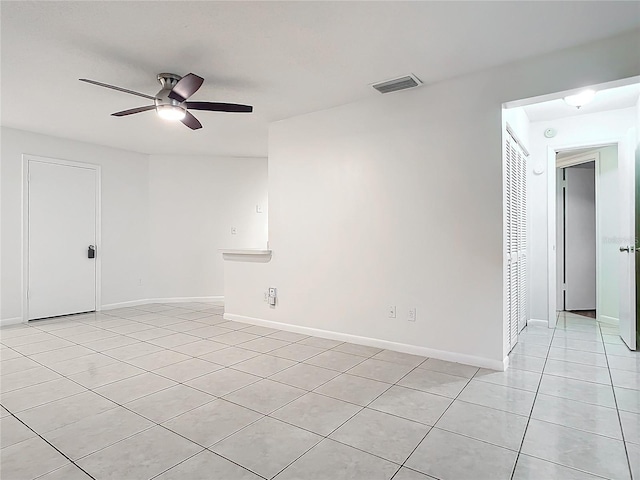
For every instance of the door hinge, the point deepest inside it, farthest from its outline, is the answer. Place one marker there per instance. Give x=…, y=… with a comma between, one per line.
x=28, y=294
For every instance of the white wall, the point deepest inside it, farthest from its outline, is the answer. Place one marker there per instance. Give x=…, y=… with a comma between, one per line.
x=194, y=203
x=124, y=215
x=398, y=200
x=583, y=130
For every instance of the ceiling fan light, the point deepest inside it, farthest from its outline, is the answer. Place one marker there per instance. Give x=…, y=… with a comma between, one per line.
x=580, y=99
x=171, y=112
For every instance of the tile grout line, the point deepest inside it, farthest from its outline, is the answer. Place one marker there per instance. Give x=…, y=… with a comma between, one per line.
x=297, y=362
x=177, y=382
x=69, y=396
x=154, y=423
x=50, y=444
x=120, y=360
x=434, y=423
x=361, y=408
x=181, y=383
x=205, y=449
x=574, y=428
x=533, y=404
x=364, y=358
x=615, y=399
x=325, y=437
x=109, y=399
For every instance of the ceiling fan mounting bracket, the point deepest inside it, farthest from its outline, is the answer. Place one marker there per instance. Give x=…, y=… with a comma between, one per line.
x=168, y=80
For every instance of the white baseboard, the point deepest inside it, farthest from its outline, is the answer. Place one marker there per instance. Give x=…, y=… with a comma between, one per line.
x=609, y=320
x=505, y=363
x=10, y=321
x=375, y=342
x=134, y=303
x=217, y=298
x=538, y=322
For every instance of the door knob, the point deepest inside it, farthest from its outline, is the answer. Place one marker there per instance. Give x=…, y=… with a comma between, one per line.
x=625, y=249
x=91, y=252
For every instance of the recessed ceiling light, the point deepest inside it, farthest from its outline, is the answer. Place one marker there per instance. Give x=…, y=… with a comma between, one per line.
x=580, y=99
x=171, y=112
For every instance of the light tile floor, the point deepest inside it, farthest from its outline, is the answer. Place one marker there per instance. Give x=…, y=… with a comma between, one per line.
x=177, y=392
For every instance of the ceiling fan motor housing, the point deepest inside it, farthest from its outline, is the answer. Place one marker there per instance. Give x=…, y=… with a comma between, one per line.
x=168, y=81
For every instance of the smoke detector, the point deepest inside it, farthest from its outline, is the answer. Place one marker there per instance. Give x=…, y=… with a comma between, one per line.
x=397, y=84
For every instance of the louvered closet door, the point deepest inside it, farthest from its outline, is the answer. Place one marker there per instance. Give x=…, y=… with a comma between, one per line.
x=514, y=250
x=512, y=243
x=508, y=176
x=516, y=241
x=522, y=241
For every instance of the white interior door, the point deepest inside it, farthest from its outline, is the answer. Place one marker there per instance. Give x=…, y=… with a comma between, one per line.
x=628, y=169
x=580, y=237
x=62, y=226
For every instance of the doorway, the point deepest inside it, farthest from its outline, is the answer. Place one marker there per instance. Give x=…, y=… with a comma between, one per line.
x=62, y=251
x=549, y=124
x=587, y=227
x=576, y=236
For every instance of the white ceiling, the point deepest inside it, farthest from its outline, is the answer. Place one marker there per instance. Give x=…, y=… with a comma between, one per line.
x=285, y=58
x=610, y=99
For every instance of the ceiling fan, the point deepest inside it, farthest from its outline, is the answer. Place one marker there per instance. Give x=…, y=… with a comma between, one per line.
x=171, y=101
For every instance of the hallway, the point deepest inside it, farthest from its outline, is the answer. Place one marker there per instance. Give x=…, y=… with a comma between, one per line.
x=587, y=406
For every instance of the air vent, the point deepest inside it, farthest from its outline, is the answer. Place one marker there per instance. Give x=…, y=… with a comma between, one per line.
x=401, y=83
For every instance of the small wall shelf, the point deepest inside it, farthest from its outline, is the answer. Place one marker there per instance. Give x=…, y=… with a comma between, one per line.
x=244, y=251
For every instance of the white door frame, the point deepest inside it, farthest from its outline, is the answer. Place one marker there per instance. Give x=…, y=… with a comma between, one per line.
x=551, y=218
x=578, y=160
x=26, y=159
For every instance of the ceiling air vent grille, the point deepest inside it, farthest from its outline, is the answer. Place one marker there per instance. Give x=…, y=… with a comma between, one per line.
x=400, y=83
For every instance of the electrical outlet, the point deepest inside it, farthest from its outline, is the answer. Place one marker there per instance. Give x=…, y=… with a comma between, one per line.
x=413, y=313
x=271, y=296
x=391, y=309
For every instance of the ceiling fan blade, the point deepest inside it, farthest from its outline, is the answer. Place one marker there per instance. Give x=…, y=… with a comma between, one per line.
x=133, y=110
x=191, y=121
x=186, y=86
x=120, y=89
x=219, y=107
